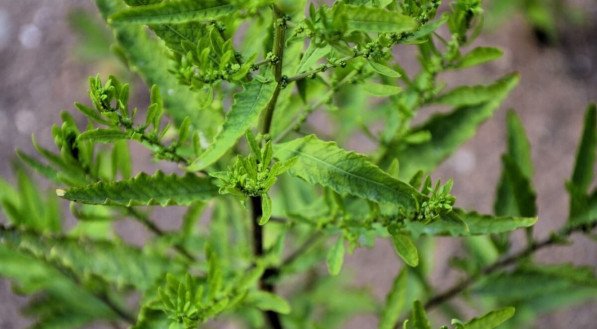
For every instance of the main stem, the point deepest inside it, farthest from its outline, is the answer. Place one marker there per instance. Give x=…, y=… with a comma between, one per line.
x=272, y=317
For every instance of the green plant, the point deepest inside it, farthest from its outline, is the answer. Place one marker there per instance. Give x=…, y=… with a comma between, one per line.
x=285, y=201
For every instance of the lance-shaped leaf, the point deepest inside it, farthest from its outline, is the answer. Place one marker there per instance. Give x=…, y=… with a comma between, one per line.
x=582, y=175
x=461, y=223
x=178, y=11
x=394, y=301
x=478, y=56
x=405, y=247
x=335, y=257
x=245, y=112
x=103, y=135
x=448, y=132
x=418, y=319
x=267, y=301
x=114, y=262
x=369, y=19
x=515, y=194
x=158, y=189
x=325, y=163
x=491, y=320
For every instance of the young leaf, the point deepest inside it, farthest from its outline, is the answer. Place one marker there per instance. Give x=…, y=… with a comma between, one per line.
x=268, y=302
x=383, y=70
x=158, y=189
x=478, y=56
x=245, y=111
x=380, y=90
x=325, y=163
x=491, y=320
x=448, y=131
x=311, y=56
x=582, y=176
x=266, y=207
x=178, y=11
x=369, y=19
x=394, y=301
x=406, y=249
x=103, y=135
x=419, y=317
x=335, y=257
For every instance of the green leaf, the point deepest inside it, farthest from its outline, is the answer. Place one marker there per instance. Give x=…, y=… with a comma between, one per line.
x=520, y=188
x=491, y=320
x=267, y=301
x=470, y=95
x=369, y=19
x=395, y=301
x=245, y=112
x=380, y=90
x=383, y=69
x=419, y=317
x=335, y=257
x=461, y=223
x=179, y=11
x=103, y=135
x=406, y=249
x=343, y=171
x=158, y=189
x=266, y=207
x=478, y=56
x=448, y=132
x=115, y=263
x=582, y=176
x=311, y=56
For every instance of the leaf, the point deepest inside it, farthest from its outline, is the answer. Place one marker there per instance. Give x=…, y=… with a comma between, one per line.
x=419, y=317
x=380, y=90
x=582, y=176
x=325, y=163
x=491, y=320
x=369, y=19
x=520, y=188
x=267, y=301
x=383, y=70
x=478, y=56
x=179, y=11
x=335, y=257
x=103, y=135
x=245, y=112
x=158, y=189
x=462, y=223
x=115, y=263
x=311, y=56
x=395, y=301
x=406, y=249
x=266, y=207
x=448, y=132
x=469, y=95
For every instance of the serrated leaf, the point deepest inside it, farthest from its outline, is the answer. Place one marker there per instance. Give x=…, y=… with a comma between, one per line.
x=158, y=189
x=380, y=90
x=478, y=56
x=268, y=302
x=245, y=112
x=491, y=320
x=178, y=11
x=405, y=248
x=103, y=135
x=395, y=301
x=311, y=56
x=448, y=132
x=469, y=95
x=343, y=171
x=524, y=197
x=335, y=257
x=461, y=223
x=369, y=19
x=115, y=263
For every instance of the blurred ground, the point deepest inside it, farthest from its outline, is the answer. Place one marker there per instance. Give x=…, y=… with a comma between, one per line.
x=40, y=76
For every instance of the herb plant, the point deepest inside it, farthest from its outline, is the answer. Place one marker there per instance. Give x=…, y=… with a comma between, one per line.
x=270, y=196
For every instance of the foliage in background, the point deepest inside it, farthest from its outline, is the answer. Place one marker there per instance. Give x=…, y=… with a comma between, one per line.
x=233, y=84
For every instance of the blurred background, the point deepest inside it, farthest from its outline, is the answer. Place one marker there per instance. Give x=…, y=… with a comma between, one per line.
x=47, y=53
